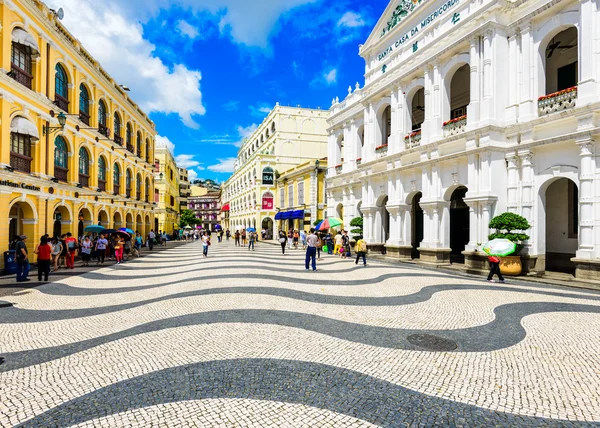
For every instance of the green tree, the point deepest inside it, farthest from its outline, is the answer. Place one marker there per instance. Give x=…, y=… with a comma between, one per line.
x=510, y=226
x=188, y=218
x=357, y=232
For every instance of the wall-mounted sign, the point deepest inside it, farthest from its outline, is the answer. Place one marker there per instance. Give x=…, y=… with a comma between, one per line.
x=19, y=185
x=267, y=201
x=268, y=176
x=415, y=30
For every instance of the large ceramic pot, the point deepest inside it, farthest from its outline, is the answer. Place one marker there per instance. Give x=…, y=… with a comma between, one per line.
x=511, y=265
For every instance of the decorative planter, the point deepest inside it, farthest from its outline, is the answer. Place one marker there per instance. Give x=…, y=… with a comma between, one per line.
x=455, y=126
x=381, y=150
x=338, y=169
x=358, y=161
x=557, y=101
x=511, y=265
x=413, y=139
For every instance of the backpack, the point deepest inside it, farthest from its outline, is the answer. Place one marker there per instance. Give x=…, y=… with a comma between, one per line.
x=361, y=247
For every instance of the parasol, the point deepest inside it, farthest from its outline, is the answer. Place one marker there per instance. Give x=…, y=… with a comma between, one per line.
x=329, y=223
x=94, y=228
x=499, y=247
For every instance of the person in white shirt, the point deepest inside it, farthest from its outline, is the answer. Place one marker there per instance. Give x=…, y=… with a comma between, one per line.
x=311, y=250
x=151, y=237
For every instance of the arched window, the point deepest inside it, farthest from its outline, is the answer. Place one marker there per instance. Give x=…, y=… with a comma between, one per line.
x=117, y=126
x=101, y=174
x=84, y=167
x=147, y=150
x=129, y=138
x=61, y=92
x=116, y=179
x=23, y=50
x=84, y=104
x=147, y=190
x=138, y=149
x=22, y=134
x=138, y=187
x=128, y=183
x=103, y=118
x=61, y=159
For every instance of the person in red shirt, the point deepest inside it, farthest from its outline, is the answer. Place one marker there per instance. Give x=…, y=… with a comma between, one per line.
x=44, y=253
x=71, y=250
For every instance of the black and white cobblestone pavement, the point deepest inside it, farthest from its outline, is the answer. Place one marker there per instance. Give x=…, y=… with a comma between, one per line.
x=251, y=339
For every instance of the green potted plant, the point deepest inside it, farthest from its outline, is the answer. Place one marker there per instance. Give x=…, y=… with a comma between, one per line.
x=510, y=226
x=357, y=232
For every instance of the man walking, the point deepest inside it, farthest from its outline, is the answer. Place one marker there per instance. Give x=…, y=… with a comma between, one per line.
x=311, y=250
x=151, y=237
x=22, y=260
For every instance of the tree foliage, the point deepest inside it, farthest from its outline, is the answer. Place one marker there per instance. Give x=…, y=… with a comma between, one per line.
x=357, y=223
x=510, y=226
x=188, y=218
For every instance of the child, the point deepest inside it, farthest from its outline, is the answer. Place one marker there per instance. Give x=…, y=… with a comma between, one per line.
x=342, y=252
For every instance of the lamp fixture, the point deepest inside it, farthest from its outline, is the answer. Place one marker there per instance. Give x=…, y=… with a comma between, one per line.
x=161, y=175
x=62, y=121
x=125, y=88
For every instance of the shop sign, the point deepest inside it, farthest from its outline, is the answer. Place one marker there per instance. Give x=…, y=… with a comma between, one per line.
x=268, y=177
x=19, y=185
x=449, y=4
x=267, y=203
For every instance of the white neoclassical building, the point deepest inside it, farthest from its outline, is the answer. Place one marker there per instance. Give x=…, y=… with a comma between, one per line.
x=471, y=109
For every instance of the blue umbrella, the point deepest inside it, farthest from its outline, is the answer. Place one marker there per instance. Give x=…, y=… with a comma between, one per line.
x=218, y=226
x=94, y=228
x=251, y=229
x=126, y=229
x=318, y=226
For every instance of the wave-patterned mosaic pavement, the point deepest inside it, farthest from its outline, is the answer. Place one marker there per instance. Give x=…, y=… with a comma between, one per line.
x=251, y=339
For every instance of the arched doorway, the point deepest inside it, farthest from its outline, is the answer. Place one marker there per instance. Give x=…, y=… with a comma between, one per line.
x=459, y=224
x=117, y=220
x=62, y=221
x=416, y=225
x=139, y=225
x=147, y=227
x=383, y=220
x=84, y=219
x=562, y=225
x=21, y=221
x=267, y=226
x=103, y=219
x=129, y=221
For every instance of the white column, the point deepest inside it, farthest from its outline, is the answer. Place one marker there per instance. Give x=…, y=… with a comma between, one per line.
x=403, y=114
x=369, y=147
x=512, y=186
x=474, y=102
x=474, y=225
x=527, y=194
x=586, y=199
x=331, y=154
x=512, y=110
x=527, y=110
x=348, y=147
x=428, y=128
x=487, y=102
x=393, y=142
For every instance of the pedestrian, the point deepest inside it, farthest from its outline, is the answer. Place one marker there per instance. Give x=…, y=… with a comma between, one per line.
x=86, y=251
x=346, y=244
x=319, y=245
x=71, y=250
x=137, y=247
x=339, y=242
x=205, y=244
x=119, y=249
x=127, y=250
x=64, y=252
x=282, y=241
x=361, y=251
x=329, y=243
x=244, y=238
x=56, y=250
x=164, y=239
x=22, y=257
x=303, y=239
x=228, y=234
x=295, y=239
x=101, y=246
x=44, y=252
x=251, y=240
x=237, y=238
x=151, y=237
x=290, y=239
x=311, y=250
x=495, y=269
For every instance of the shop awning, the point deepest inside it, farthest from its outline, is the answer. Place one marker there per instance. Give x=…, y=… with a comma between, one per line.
x=286, y=215
x=21, y=125
x=225, y=207
x=298, y=215
x=278, y=216
x=22, y=37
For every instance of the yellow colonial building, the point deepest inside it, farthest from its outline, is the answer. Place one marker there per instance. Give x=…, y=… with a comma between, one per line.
x=288, y=137
x=75, y=150
x=167, y=194
x=300, y=199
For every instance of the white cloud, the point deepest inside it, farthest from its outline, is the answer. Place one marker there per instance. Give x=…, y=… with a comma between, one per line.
x=165, y=142
x=260, y=110
x=245, y=133
x=231, y=106
x=327, y=77
x=331, y=76
x=192, y=175
x=351, y=20
x=224, y=165
x=117, y=42
x=186, y=161
x=187, y=29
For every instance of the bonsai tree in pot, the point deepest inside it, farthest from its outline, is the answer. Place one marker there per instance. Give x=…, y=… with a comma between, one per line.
x=510, y=226
x=357, y=232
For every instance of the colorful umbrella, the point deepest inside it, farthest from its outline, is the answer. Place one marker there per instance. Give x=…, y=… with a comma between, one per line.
x=499, y=247
x=108, y=231
x=94, y=228
x=126, y=236
x=329, y=223
x=251, y=229
x=127, y=230
x=318, y=226
x=218, y=227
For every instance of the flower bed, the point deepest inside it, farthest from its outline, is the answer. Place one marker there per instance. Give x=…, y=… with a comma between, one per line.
x=453, y=121
x=381, y=148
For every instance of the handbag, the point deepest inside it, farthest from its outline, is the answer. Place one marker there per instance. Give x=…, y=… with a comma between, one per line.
x=325, y=248
x=282, y=240
x=85, y=250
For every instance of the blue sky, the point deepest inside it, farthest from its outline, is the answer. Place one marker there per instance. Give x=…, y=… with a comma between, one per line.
x=208, y=71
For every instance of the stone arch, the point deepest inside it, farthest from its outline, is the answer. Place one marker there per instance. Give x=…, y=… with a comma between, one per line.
x=309, y=126
x=23, y=216
x=103, y=219
x=84, y=219
x=129, y=221
x=384, y=122
x=459, y=221
x=448, y=73
x=63, y=219
x=382, y=219
x=117, y=220
x=565, y=31
x=139, y=225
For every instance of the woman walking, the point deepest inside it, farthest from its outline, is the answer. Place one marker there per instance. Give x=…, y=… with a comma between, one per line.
x=86, y=251
x=101, y=245
x=44, y=252
x=282, y=241
x=119, y=250
x=361, y=251
x=56, y=250
x=205, y=244
x=244, y=239
x=64, y=251
x=251, y=241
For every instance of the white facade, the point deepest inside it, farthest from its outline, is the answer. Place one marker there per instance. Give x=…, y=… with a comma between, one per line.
x=428, y=186
x=289, y=136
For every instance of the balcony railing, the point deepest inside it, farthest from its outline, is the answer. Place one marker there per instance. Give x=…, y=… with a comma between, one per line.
x=84, y=180
x=104, y=130
x=413, y=139
x=61, y=174
x=84, y=117
x=131, y=148
x=455, y=126
x=102, y=185
x=139, y=153
x=557, y=101
x=138, y=196
x=117, y=189
x=21, y=76
x=358, y=161
x=61, y=103
x=338, y=169
x=381, y=150
x=128, y=193
x=118, y=140
x=20, y=162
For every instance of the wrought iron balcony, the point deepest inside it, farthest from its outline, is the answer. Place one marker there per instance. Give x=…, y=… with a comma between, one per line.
x=104, y=130
x=84, y=180
x=20, y=162
x=102, y=185
x=455, y=126
x=61, y=103
x=413, y=139
x=557, y=101
x=118, y=140
x=61, y=174
x=21, y=76
x=84, y=117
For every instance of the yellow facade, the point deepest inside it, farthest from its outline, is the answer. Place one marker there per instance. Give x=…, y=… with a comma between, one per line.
x=302, y=189
x=167, y=195
x=86, y=172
